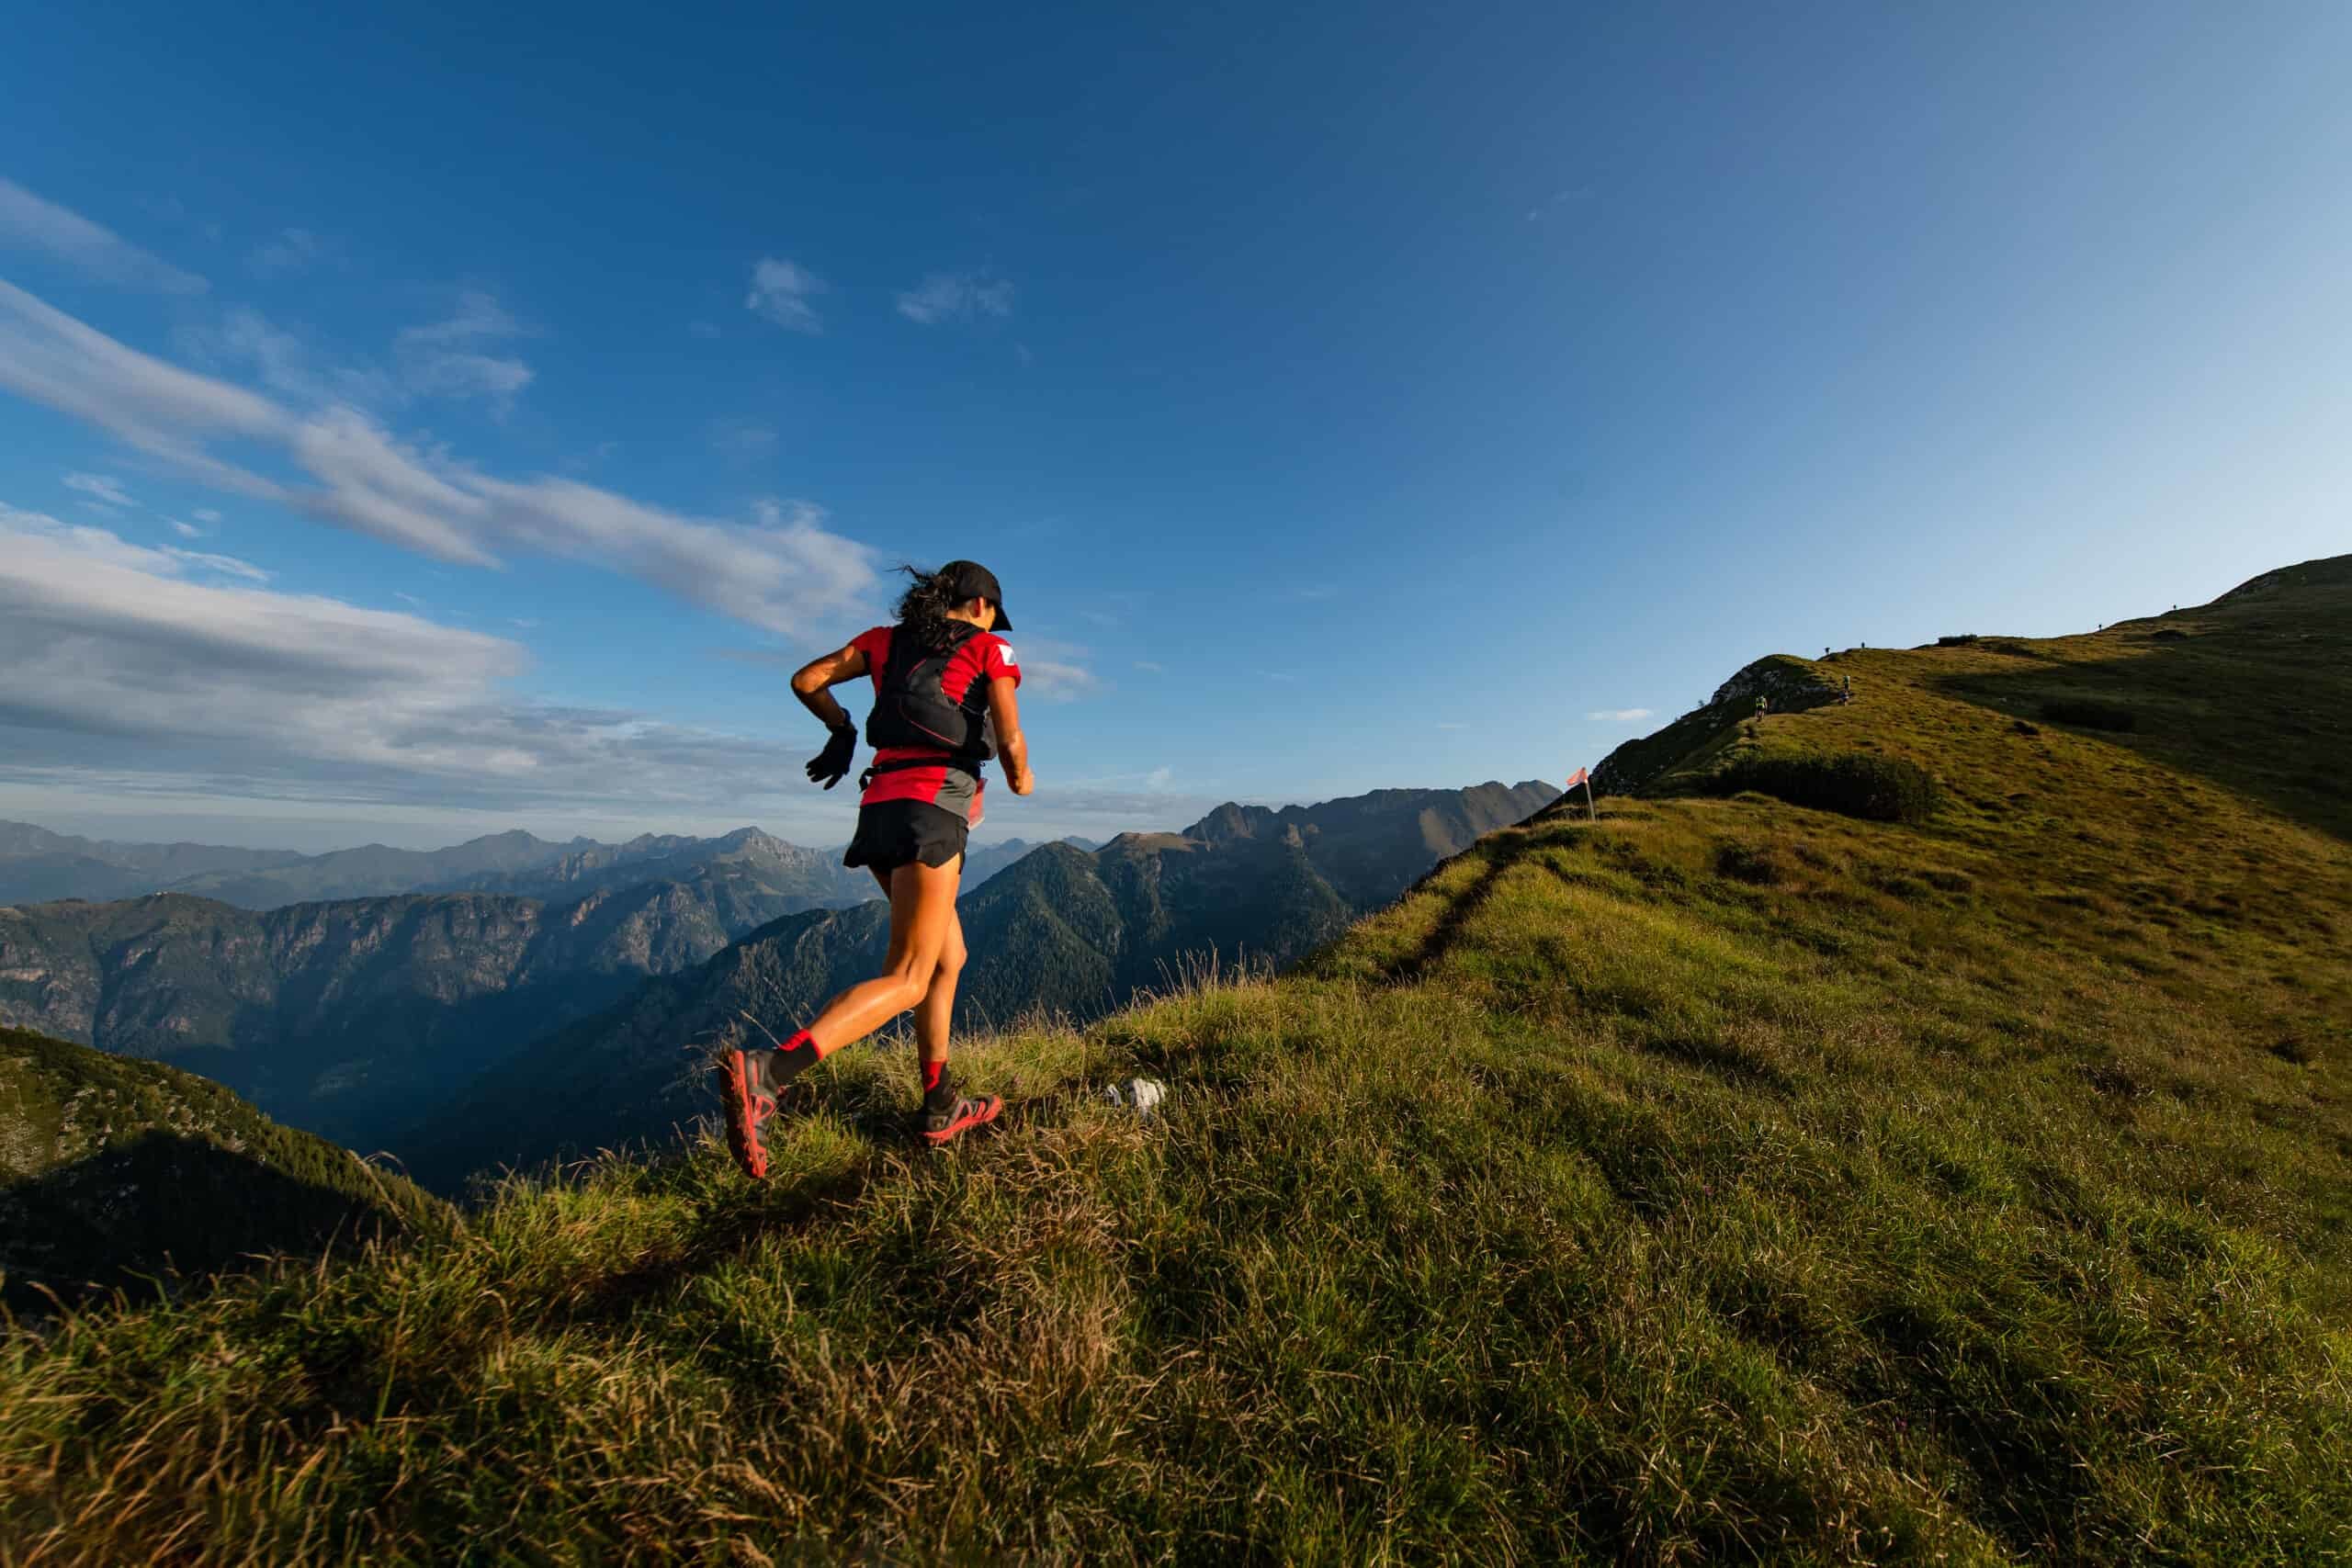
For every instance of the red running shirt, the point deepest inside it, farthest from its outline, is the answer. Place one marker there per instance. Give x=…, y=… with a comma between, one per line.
x=983, y=657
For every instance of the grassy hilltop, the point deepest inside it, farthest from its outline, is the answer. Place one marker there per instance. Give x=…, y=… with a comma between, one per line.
x=1725, y=1179
x=121, y=1174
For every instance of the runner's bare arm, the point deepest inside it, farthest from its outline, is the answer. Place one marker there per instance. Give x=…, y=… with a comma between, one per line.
x=808, y=683
x=1011, y=743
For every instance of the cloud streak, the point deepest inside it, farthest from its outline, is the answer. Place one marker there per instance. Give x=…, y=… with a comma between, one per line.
x=128, y=670
x=288, y=250
x=450, y=358
x=781, y=292
x=130, y=659
x=105, y=491
x=950, y=296
x=777, y=572
x=32, y=223
x=1619, y=715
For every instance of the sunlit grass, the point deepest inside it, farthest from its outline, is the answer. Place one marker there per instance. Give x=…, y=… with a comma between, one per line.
x=1722, y=1179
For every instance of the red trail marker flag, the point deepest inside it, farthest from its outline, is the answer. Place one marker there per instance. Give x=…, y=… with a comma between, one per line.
x=1581, y=777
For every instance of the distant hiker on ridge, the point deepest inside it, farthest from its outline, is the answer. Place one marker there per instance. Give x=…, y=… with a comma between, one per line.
x=943, y=704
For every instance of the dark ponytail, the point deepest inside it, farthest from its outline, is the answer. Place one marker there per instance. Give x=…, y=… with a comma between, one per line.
x=923, y=608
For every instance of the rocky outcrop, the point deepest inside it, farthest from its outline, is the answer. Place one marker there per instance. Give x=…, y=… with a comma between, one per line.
x=1788, y=685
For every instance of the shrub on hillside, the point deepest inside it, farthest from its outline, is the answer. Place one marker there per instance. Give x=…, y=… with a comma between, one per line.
x=1881, y=789
x=2084, y=712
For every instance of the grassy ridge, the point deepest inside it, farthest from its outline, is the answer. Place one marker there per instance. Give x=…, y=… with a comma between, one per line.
x=125, y=1175
x=1722, y=1179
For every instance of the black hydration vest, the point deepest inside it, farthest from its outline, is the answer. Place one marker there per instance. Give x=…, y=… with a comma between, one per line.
x=911, y=706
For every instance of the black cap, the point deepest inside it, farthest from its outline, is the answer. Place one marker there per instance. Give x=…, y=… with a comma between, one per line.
x=969, y=580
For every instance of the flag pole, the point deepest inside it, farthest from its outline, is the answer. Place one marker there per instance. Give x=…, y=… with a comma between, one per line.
x=1582, y=776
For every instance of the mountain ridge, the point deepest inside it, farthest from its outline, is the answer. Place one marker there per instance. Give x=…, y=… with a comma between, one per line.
x=1724, y=1178
x=113, y=1170
x=1062, y=932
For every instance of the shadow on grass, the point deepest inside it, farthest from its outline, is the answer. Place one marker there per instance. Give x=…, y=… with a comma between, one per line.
x=2258, y=707
x=1449, y=927
x=165, y=1212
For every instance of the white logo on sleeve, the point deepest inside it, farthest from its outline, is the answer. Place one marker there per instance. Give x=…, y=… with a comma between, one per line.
x=1004, y=652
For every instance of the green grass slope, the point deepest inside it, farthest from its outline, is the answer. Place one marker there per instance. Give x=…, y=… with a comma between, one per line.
x=1723, y=1180
x=115, y=1173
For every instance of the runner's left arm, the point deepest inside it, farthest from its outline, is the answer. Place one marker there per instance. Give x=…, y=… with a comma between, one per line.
x=810, y=680
x=832, y=765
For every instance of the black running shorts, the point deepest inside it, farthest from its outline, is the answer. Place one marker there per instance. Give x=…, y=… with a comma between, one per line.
x=892, y=833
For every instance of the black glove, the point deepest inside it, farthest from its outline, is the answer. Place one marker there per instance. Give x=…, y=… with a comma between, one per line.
x=830, y=766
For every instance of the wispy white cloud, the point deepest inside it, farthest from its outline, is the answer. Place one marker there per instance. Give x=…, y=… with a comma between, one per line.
x=153, y=406
x=1053, y=671
x=205, y=514
x=1150, y=668
x=152, y=675
x=282, y=362
x=185, y=530
x=29, y=221
x=100, y=487
x=288, y=250
x=778, y=571
x=741, y=438
x=781, y=291
x=32, y=530
x=1618, y=716
x=946, y=296
x=448, y=358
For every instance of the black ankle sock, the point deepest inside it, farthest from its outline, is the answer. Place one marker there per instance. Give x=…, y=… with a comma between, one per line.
x=787, y=1061
x=939, y=1094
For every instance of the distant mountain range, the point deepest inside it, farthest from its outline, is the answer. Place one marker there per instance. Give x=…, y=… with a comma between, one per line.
x=347, y=1016
x=38, y=866
x=361, y=1019
x=1064, y=930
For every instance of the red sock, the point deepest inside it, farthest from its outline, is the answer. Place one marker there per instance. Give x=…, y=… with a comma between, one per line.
x=938, y=1091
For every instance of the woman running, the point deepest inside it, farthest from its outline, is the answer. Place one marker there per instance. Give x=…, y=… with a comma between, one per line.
x=943, y=703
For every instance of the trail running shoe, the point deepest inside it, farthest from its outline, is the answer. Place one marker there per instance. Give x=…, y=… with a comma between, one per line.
x=748, y=1100
x=977, y=1111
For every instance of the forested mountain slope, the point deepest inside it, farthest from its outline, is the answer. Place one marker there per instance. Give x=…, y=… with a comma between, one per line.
x=346, y=1018
x=1062, y=932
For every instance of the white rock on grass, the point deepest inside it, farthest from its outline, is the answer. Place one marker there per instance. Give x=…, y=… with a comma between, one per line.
x=1141, y=1096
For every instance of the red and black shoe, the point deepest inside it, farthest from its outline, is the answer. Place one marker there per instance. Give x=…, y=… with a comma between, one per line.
x=959, y=1117
x=748, y=1095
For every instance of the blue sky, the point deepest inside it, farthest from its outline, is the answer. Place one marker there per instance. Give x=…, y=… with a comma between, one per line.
x=412, y=426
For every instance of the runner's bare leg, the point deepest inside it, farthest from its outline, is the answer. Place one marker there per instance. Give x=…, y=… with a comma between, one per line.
x=934, y=1013
x=938, y=1005
x=923, y=918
